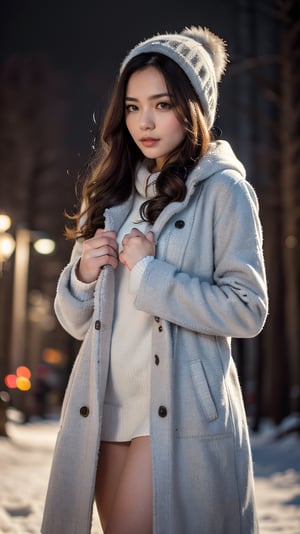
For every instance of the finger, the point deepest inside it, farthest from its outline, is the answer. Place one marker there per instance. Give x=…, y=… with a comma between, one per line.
x=106, y=250
x=150, y=237
x=135, y=232
x=126, y=239
x=102, y=241
x=121, y=257
x=108, y=260
x=109, y=233
x=102, y=236
x=99, y=231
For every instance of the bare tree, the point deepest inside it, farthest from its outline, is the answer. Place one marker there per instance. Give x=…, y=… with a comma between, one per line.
x=274, y=78
x=288, y=103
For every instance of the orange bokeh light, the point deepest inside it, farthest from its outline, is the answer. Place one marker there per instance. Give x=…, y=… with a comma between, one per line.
x=23, y=371
x=52, y=356
x=23, y=383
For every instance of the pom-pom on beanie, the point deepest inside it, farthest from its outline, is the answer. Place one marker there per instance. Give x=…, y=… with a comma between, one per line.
x=202, y=56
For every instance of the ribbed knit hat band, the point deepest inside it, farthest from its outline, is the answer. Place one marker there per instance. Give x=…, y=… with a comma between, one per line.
x=201, y=55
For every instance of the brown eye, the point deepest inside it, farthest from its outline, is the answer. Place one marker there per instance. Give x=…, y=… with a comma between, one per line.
x=130, y=107
x=164, y=105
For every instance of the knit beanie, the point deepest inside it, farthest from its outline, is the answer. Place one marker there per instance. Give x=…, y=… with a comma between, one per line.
x=201, y=55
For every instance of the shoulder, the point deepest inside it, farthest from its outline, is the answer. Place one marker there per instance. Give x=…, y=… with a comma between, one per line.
x=226, y=196
x=231, y=182
x=226, y=184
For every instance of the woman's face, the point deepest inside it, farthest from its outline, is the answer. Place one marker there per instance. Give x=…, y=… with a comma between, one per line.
x=150, y=116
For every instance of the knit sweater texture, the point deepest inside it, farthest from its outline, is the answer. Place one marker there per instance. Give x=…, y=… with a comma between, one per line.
x=127, y=397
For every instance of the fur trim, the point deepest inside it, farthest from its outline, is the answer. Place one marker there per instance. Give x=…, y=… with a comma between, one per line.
x=213, y=44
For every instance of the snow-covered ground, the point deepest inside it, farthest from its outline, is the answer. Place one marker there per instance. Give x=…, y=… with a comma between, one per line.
x=25, y=459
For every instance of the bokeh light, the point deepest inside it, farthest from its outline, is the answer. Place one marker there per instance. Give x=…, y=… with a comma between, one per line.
x=23, y=371
x=53, y=356
x=20, y=380
x=7, y=245
x=4, y=396
x=10, y=381
x=5, y=222
x=44, y=246
x=23, y=383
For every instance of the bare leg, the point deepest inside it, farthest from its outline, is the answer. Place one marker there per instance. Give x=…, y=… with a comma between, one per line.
x=111, y=462
x=131, y=502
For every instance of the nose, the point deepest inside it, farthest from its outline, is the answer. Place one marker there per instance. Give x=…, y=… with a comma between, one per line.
x=147, y=120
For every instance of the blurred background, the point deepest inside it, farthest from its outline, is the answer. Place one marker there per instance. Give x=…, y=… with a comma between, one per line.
x=58, y=63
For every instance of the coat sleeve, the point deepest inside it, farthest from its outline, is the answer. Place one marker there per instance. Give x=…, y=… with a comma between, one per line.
x=74, y=302
x=234, y=302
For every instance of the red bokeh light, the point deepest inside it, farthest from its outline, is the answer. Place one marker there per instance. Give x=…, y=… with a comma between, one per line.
x=10, y=381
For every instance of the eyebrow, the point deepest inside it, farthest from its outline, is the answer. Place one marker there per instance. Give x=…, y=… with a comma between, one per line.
x=153, y=97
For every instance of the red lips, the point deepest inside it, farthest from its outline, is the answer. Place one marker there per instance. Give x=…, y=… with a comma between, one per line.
x=149, y=141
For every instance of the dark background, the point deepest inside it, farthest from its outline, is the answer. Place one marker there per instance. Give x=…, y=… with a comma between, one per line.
x=58, y=64
x=85, y=43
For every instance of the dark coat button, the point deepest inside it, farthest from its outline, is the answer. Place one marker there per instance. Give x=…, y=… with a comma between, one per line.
x=84, y=411
x=160, y=328
x=97, y=325
x=179, y=224
x=162, y=411
x=157, y=319
x=156, y=359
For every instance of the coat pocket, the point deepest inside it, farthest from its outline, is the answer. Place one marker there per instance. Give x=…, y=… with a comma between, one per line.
x=202, y=390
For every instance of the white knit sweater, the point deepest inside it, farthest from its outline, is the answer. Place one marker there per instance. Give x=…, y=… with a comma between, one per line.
x=126, y=408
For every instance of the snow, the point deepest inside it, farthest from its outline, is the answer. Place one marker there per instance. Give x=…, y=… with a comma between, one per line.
x=25, y=459
x=277, y=477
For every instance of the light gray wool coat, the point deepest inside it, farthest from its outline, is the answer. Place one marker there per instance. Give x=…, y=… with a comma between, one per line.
x=206, y=285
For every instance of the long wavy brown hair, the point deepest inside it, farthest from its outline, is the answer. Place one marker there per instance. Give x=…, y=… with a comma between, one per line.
x=110, y=173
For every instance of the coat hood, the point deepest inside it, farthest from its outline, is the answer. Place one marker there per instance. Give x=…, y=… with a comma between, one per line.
x=219, y=157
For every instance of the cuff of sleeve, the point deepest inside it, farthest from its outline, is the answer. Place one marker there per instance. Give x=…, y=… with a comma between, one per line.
x=81, y=290
x=136, y=274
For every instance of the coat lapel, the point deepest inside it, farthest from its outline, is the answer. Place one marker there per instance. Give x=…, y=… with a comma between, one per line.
x=116, y=215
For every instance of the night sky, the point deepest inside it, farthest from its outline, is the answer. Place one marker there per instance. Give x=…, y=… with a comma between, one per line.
x=86, y=41
x=87, y=35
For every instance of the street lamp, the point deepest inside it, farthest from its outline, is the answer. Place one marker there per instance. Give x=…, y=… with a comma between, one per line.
x=7, y=242
x=21, y=244
x=7, y=246
x=5, y=222
x=43, y=245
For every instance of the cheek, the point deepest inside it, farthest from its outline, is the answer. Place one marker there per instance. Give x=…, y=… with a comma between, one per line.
x=178, y=129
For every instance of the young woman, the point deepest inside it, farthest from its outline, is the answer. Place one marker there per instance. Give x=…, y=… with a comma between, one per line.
x=167, y=267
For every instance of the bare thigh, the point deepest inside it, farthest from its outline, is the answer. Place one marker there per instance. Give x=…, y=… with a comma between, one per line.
x=124, y=487
x=112, y=459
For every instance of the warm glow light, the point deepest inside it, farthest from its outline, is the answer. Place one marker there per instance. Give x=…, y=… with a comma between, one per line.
x=291, y=241
x=23, y=371
x=44, y=246
x=7, y=245
x=5, y=222
x=52, y=356
x=10, y=381
x=23, y=383
x=20, y=380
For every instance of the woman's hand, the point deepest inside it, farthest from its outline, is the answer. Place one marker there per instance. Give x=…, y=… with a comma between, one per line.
x=136, y=246
x=100, y=250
